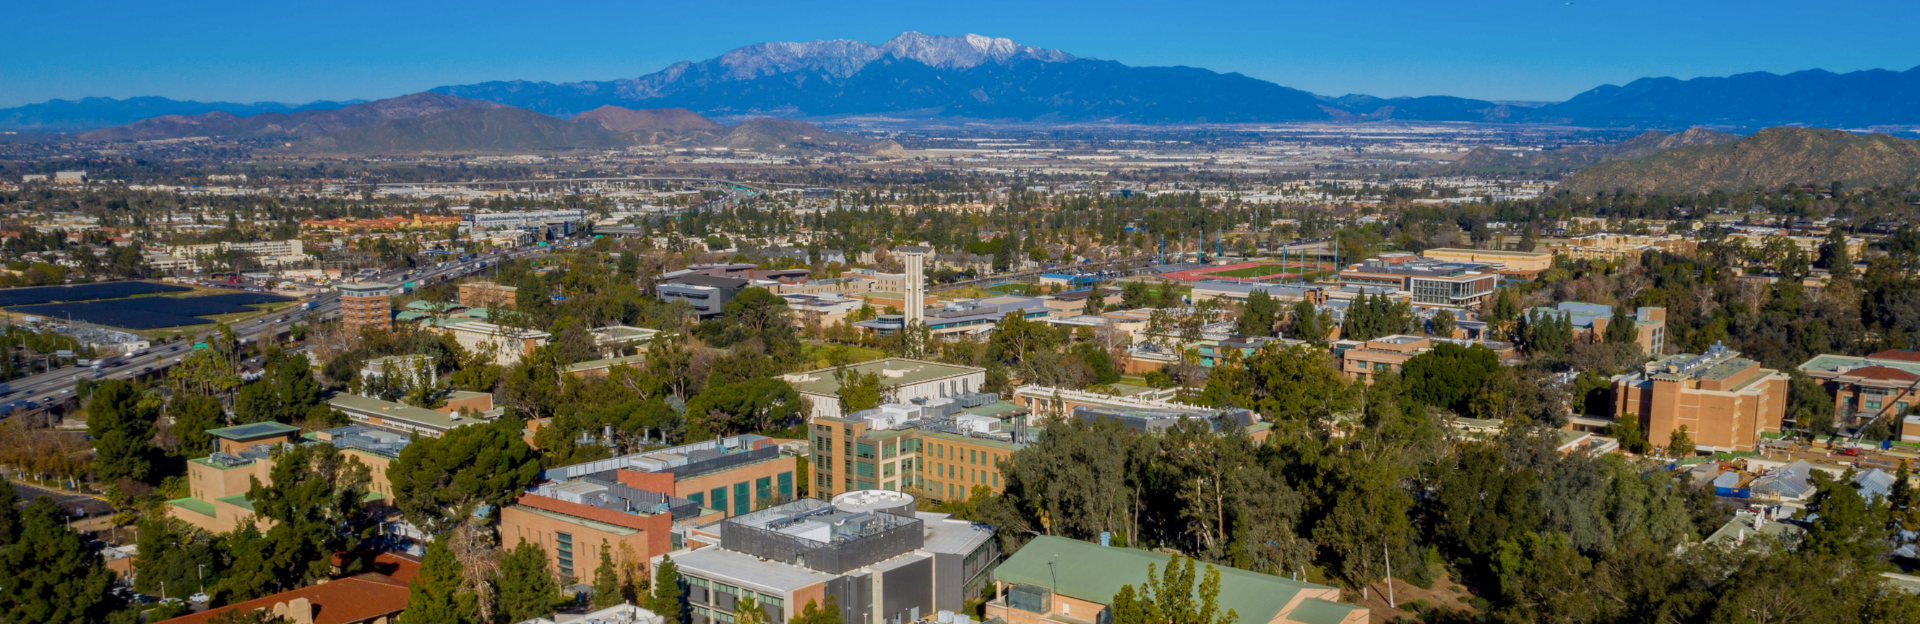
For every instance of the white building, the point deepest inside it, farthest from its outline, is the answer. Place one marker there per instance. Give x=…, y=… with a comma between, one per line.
x=505, y=345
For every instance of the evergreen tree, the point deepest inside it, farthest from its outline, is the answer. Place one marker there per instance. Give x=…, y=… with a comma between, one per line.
x=50, y=574
x=1834, y=255
x=317, y=502
x=666, y=601
x=1261, y=312
x=524, y=586
x=122, y=428
x=606, y=580
x=434, y=596
x=1679, y=443
x=1096, y=302
x=1846, y=524
x=439, y=481
x=1443, y=324
x=1620, y=329
x=193, y=415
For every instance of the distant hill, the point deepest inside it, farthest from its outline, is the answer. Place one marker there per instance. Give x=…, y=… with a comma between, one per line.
x=466, y=130
x=101, y=112
x=1571, y=158
x=1770, y=158
x=645, y=121
x=1806, y=98
x=302, y=124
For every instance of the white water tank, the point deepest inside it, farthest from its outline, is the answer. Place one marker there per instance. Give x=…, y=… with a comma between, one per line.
x=882, y=501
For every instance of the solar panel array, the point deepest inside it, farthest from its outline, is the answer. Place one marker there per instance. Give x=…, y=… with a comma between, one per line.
x=82, y=292
x=152, y=312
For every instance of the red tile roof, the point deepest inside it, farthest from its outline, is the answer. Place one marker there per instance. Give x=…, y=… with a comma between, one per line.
x=1881, y=372
x=342, y=601
x=1897, y=354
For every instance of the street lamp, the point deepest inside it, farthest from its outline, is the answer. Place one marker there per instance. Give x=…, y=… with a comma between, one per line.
x=202, y=571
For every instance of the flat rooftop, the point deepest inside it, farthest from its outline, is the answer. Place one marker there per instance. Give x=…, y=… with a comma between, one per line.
x=253, y=431
x=749, y=571
x=368, y=407
x=892, y=372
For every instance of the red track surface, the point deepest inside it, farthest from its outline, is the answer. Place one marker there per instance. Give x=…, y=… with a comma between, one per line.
x=1194, y=275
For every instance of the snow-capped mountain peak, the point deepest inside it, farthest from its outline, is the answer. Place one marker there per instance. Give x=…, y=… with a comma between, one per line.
x=963, y=52
x=843, y=57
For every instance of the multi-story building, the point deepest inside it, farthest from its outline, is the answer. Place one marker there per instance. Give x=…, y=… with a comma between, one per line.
x=263, y=253
x=1882, y=385
x=1725, y=401
x=973, y=315
x=1616, y=247
x=517, y=220
x=1238, y=291
x=409, y=419
x=1525, y=265
x=1363, y=360
x=485, y=294
x=938, y=448
x=1145, y=410
x=366, y=305
x=506, y=345
x=1432, y=283
x=707, y=294
x=1056, y=579
x=1590, y=322
x=217, y=484
x=731, y=475
x=646, y=504
x=903, y=380
x=867, y=556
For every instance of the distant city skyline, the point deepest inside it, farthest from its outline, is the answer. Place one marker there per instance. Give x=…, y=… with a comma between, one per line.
x=1545, y=50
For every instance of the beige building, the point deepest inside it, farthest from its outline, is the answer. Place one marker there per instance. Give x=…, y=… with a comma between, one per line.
x=1615, y=247
x=1515, y=264
x=484, y=294
x=1057, y=580
x=1882, y=385
x=506, y=345
x=367, y=305
x=218, y=483
x=901, y=379
x=1725, y=401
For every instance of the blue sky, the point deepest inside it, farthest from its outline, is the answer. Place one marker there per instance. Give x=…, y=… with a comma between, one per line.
x=1494, y=49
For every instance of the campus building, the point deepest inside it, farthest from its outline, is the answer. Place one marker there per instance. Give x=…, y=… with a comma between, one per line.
x=866, y=555
x=217, y=484
x=1431, y=282
x=367, y=305
x=1617, y=247
x=1139, y=408
x=939, y=448
x=1725, y=401
x=485, y=294
x=646, y=504
x=1590, y=322
x=969, y=316
x=1522, y=265
x=707, y=294
x=1055, y=580
x=505, y=345
x=1882, y=385
x=903, y=381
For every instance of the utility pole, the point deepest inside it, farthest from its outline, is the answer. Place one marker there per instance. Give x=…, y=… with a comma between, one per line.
x=1389, y=555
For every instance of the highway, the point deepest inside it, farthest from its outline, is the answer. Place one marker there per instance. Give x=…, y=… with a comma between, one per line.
x=55, y=387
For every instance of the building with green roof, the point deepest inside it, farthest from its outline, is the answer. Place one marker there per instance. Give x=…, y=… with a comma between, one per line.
x=1056, y=580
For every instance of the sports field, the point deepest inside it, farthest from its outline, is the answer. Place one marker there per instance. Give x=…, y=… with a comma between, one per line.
x=1253, y=271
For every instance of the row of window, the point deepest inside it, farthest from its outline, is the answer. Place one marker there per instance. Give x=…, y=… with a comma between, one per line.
x=764, y=490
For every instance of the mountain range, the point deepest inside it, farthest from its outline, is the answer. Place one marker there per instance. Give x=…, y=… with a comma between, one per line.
x=976, y=77
x=1567, y=159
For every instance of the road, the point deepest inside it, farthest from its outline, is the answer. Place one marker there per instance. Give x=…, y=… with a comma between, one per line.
x=56, y=387
x=76, y=505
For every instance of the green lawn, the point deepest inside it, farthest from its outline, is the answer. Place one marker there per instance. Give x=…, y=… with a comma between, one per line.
x=857, y=354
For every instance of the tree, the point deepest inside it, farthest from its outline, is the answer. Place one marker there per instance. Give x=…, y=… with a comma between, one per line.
x=1809, y=404
x=122, y=427
x=317, y=502
x=1443, y=324
x=1627, y=430
x=52, y=576
x=606, y=580
x=1096, y=302
x=1834, y=255
x=1261, y=313
x=1172, y=597
x=260, y=402
x=759, y=404
x=1503, y=311
x=748, y=611
x=434, y=596
x=438, y=482
x=193, y=415
x=1680, y=444
x=526, y=589
x=1846, y=524
x=858, y=391
x=1449, y=375
x=666, y=600
x=177, y=559
x=1135, y=295
x=1620, y=328
x=813, y=614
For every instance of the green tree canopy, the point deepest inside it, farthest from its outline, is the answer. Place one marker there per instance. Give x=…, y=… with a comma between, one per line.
x=122, y=425
x=524, y=586
x=438, y=482
x=434, y=596
x=51, y=575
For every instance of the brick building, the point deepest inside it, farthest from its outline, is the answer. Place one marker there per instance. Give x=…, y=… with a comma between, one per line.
x=1725, y=401
x=367, y=305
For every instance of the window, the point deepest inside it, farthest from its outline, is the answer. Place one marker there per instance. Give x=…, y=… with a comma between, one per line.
x=784, y=481
x=741, y=503
x=700, y=499
x=763, y=489
x=564, y=551
x=719, y=497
